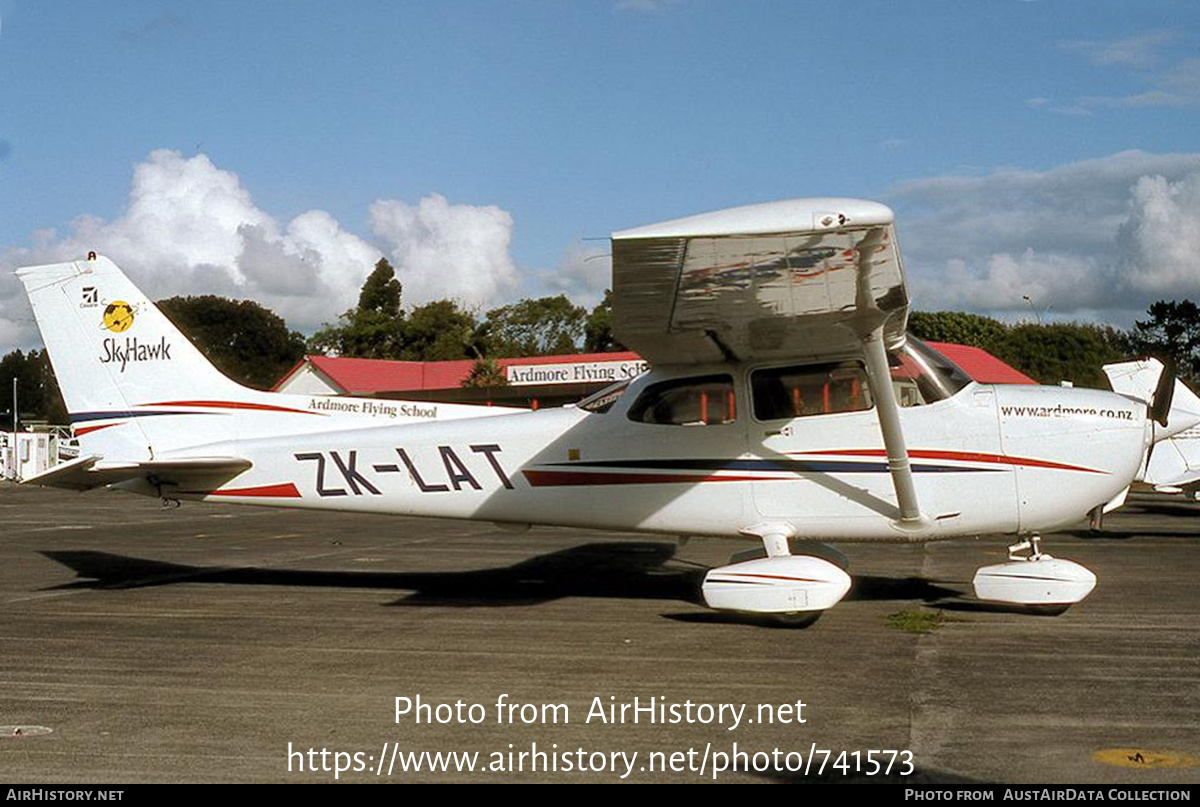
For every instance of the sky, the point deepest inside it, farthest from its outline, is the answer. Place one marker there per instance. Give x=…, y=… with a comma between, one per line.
x=1042, y=156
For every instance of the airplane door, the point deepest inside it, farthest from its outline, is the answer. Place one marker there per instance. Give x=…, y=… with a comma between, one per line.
x=817, y=436
x=684, y=438
x=803, y=419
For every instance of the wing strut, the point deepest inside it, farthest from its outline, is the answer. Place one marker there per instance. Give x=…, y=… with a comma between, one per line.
x=879, y=376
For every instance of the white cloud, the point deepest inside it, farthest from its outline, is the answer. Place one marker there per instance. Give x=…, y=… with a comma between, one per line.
x=1159, y=246
x=190, y=227
x=153, y=28
x=1142, y=58
x=1008, y=280
x=1150, y=98
x=442, y=250
x=583, y=274
x=1140, y=49
x=1099, y=238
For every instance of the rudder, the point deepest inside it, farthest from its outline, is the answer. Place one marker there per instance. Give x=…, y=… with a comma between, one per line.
x=116, y=356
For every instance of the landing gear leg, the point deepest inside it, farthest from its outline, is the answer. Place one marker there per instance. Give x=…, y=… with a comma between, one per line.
x=1033, y=543
x=776, y=544
x=168, y=501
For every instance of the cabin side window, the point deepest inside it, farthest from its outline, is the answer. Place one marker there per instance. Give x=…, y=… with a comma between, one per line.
x=697, y=401
x=815, y=389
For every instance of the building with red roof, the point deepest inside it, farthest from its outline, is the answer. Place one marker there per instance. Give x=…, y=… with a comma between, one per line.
x=534, y=381
x=981, y=365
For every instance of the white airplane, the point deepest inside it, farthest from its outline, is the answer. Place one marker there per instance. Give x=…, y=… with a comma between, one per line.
x=1173, y=465
x=785, y=405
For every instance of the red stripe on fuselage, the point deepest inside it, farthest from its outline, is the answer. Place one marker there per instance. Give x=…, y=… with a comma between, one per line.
x=234, y=405
x=962, y=456
x=286, y=490
x=82, y=430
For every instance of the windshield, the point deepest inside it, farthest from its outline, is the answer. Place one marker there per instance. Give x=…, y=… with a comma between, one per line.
x=600, y=402
x=921, y=375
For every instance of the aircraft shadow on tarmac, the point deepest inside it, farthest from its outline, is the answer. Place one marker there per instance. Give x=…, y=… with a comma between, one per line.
x=629, y=570
x=1125, y=535
x=625, y=570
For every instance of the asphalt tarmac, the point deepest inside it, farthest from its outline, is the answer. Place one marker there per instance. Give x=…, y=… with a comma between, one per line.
x=141, y=644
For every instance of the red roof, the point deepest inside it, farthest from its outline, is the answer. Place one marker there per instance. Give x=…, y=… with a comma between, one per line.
x=981, y=365
x=374, y=376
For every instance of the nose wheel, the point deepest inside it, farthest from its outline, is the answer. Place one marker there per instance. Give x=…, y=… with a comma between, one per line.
x=1034, y=578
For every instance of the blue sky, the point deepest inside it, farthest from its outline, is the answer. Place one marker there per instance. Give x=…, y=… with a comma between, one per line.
x=274, y=150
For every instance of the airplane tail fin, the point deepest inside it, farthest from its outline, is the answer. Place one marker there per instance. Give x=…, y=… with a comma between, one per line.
x=120, y=362
x=1139, y=379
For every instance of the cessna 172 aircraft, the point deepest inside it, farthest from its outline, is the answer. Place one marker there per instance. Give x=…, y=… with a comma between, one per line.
x=784, y=405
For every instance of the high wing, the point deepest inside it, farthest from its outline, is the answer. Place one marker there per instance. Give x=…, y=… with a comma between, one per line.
x=802, y=279
x=799, y=278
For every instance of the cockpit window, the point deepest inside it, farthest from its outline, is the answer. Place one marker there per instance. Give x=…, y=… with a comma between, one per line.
x=814, y=389
x=922, y=376
x=600, y=402
x=697, y=401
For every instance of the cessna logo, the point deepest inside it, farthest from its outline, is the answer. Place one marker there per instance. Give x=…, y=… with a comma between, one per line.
x=135, y=351
x=118, y=316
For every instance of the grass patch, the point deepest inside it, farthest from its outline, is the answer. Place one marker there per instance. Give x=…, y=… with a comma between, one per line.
x=919, y=622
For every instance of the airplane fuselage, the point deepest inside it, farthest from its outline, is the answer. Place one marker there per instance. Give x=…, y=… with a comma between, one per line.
x=988, y=459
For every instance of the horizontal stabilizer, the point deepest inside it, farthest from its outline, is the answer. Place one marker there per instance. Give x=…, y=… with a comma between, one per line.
x=85, y=473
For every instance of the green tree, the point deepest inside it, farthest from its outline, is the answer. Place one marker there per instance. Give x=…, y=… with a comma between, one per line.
x=245, y=341
x=1048, y=353
x=959, y=328
x=535, y=327
x=439, y=331
x=381, y=292
x=38, y=395
x=597, y=331
x=1172, y=332
x=485, y=374
x=1063, y=351
x=375, y=328
x=363, y=335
